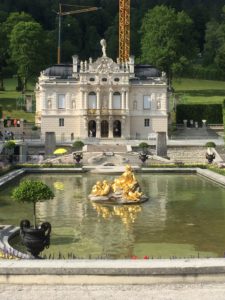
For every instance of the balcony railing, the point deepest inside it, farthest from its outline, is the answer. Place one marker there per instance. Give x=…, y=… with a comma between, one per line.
x=104, y=111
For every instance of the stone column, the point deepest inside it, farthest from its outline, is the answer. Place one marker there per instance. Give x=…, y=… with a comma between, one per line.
x=110, y=128
x=85, y=135
x=50, y=143
x=127, y=100
x=85, y=100
x=98, y=128
x=123, y=99
x=44, y=102
x=23, y=153
x=161, y=144
x=110, y=98
x=54, y=101
x=123, y=122
x=68, y=106
x=98, y=99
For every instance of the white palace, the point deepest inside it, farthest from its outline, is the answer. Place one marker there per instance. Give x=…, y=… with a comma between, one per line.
x=102, y=99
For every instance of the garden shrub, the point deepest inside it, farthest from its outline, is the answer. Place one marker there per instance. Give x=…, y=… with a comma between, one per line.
x=143, y=145
x=212, y=113
x=78, y=145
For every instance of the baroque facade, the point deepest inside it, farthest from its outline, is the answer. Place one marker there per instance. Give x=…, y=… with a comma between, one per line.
x=102, y=99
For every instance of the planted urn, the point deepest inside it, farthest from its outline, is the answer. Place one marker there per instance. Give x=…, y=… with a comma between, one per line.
x=36, y=237
x=210, y=153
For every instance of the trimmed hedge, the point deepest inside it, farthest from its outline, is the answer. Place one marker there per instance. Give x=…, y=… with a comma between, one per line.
x=204, y=72
x=212, y=113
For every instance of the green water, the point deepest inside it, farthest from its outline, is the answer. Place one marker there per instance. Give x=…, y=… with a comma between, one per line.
x=184, y=217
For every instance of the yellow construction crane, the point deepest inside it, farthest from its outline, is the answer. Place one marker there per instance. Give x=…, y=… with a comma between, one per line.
x=124, y=30
x=60, y=13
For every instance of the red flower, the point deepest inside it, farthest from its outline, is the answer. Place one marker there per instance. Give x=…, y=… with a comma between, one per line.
x=146, y=257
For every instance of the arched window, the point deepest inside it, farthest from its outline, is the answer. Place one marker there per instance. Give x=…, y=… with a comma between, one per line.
x=92, y=128
x=116, y=100
x=92, y=100
x=135, y=105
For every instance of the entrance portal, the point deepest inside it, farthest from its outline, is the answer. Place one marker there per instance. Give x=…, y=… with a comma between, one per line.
x=104, y=128
x=117, y=128
x=92, y=128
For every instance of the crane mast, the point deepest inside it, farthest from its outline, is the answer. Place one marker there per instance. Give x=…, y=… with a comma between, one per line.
x=124, y=30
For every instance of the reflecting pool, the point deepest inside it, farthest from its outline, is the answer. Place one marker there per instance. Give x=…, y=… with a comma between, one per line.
x=184, y=217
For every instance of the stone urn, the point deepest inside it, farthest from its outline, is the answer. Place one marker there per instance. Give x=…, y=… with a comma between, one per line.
x=210, y=155
x=35, y=239
x=78, y=156
x=210, y=152
x=143, y=156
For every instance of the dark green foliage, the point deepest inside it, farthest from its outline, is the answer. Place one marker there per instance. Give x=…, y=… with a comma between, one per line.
x=143, y=145
x=78, y=145
x=212, y=113
x=0, y=112
x=210, y=145
x=204, y=72
x=9, y=145
x=32, y=191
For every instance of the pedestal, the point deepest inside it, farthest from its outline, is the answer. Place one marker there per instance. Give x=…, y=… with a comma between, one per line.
x=161, y=144
x=50, y=143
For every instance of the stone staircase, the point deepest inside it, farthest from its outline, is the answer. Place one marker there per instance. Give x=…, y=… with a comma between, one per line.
x=107, y=148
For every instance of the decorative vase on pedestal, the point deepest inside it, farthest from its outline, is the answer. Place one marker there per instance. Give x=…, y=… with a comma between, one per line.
x=35, y=239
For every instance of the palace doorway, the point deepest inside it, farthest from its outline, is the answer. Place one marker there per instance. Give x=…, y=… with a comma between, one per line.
x=104, y=129
x=117, y=128
x=92, y=128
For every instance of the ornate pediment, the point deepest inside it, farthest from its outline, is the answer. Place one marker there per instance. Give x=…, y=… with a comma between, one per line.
x=104, y=65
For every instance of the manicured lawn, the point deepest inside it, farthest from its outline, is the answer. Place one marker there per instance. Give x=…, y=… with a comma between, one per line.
x=11, y=102
x=195, y=91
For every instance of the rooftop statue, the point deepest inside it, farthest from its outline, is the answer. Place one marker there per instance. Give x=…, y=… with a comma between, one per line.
x=123, y=190
x=103, y=44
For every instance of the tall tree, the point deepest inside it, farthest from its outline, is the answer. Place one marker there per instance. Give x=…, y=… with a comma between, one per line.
x=167, y=40
x=27, y=49
x=214, y=53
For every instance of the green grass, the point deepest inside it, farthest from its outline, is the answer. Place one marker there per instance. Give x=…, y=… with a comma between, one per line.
x=10, y=100
x=196, y=91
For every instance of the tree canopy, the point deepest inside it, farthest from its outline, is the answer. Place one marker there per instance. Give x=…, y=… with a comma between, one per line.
x=26, y=47
x=197, y=24
x=165, y=36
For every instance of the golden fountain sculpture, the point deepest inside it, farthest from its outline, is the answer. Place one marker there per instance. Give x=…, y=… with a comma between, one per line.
x=123, y=190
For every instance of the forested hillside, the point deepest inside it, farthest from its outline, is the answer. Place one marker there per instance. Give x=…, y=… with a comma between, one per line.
x=203, y=24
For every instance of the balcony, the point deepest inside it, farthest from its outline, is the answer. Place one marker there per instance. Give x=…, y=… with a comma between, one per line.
x=107, y=112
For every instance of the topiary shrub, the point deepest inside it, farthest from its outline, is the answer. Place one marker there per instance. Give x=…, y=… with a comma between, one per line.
x=210, y=145
x=78, y=145
x=143, y=145
x=32, y=191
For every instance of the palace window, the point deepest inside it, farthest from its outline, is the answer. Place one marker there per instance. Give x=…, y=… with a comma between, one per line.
x=147, y=102
x=92, y=100
x=116, y=103
x=147, y=122
x=61, y=101
x=61, y=122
